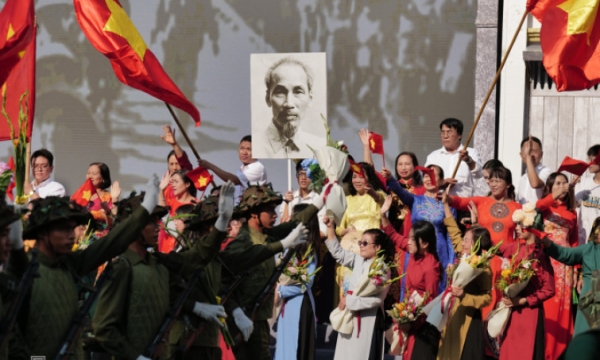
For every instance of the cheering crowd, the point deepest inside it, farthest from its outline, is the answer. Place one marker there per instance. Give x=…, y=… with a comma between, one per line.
x=178, y=272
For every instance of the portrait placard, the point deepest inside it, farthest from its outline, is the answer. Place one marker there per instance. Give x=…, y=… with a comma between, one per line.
x=289, y=94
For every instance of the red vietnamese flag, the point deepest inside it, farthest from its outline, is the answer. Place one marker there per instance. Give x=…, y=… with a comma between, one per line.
x=17, y=24
x=200, y=177
x=429, y=172
x=596, y=160
x=537, y=233
x=570, y=40
x=356, y=168
x=83, y=195
x=110, y=31
x=17, y=66
x=573, y=166
x=376, y=143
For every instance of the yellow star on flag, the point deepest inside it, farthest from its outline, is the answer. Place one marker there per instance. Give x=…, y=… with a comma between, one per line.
x=202, y=181
x=86, y=195
x=355, y=168
x=372, y=143
x=582, y=15
x=10, y=33
x=120, y=24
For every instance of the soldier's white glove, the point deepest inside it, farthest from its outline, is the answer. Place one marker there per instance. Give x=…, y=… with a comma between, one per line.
x=142, y=357
x=296, y=237
x=225, y=206
x=210, y=312
x=243, y=323
x=16, y=235
x=151, y=197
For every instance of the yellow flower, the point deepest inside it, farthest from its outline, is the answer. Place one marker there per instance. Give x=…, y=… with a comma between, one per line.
x=505, y=273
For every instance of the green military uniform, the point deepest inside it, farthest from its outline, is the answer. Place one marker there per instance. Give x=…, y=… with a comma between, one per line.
x=53, y=302
x=133, y=305
x=255, y=250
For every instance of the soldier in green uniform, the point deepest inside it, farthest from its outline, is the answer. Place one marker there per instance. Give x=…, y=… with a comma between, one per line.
x=47, y=317
x=202, y=302
x=254, y=248
x=133, y=304
x=10, y=239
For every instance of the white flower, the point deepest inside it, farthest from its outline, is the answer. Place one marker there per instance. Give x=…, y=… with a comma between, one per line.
x=341, y=142
x=528, y=221
x=411, y=317
x=529, y=207
x=526, y=265
x=518, y=216
x=303, y=277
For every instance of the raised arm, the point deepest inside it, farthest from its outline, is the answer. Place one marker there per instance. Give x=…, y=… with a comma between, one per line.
x=399, y=240
x=343, y=257
x=406, y=197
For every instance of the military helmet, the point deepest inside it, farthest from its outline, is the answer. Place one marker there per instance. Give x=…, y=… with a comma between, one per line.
x=52, y=209
x=127, y=206
x=206, y=213
x=7, y=213
x=257, y=195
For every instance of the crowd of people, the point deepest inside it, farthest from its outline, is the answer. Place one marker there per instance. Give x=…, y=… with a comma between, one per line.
x=210, y=275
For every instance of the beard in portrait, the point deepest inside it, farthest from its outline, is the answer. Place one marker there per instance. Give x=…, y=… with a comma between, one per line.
x=289, y=94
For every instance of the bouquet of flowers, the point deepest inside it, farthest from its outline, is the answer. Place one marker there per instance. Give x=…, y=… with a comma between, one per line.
x=370, y=283
x=527, y=216
x=333, y=161
x=315, y=174
x=404, y=312
x=468, y=268
x=19, y=142
x=296, y=272
x=514, y=277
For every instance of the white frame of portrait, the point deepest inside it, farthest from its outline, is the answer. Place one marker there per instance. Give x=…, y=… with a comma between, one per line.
x=262, y=114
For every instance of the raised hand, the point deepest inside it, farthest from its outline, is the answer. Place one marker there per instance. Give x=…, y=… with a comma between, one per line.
x=296, y=237
x=169, y=135
x=225, y=206
x=386, y=173
x=164, y=181
x=364, y=136
x=115, y=191
x=474, y=213
x=386, y=205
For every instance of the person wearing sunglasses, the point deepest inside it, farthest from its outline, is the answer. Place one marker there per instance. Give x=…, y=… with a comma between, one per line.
x=366, y=340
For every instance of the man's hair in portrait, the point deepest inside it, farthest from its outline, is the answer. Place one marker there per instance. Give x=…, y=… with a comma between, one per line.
x=288, y=60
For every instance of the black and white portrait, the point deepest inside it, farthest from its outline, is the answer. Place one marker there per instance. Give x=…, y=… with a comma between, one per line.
x=289, y=94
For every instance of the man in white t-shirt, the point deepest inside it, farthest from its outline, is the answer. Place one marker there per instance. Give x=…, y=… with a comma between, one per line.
x=587, y=196
x=42, y=185
x=301, y=196
x=531, y=185
x=250, y=172
x=450, y=154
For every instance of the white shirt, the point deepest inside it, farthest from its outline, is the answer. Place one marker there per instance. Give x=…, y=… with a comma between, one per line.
x=587, y=195
x=253, y=174
x=48, y=188
x=526, y=193
x=307, y=200
x=447, y=161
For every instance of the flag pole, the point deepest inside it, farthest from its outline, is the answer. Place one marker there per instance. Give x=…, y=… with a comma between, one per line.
x=182, y=130
x=491, y=89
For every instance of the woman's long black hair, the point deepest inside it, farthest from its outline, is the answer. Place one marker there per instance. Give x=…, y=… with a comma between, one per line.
x=425, y=231
x=416, y=178
x=186, y=180
x=314, y=235
x=372, y=178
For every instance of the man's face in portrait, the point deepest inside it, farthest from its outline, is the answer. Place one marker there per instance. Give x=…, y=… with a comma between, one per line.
x=289, y=97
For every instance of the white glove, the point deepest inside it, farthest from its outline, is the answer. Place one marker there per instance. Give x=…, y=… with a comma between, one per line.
x=225, y=206
x=243, y=323
x=16, y=235
x=210, y=312
x=296, y=237
x=151, y=197
x=142, y=357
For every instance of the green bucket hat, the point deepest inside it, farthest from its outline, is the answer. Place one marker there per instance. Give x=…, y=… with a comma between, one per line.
x=52, y=209
x=7, y=213
x=127, y=206
x=257, y=195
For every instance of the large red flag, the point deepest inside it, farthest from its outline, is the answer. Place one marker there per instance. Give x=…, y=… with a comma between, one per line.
x=17, y=24
x=110, y=31
x=83, y=195
x=200, y=177
x=17, y=64
x=570, y=40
